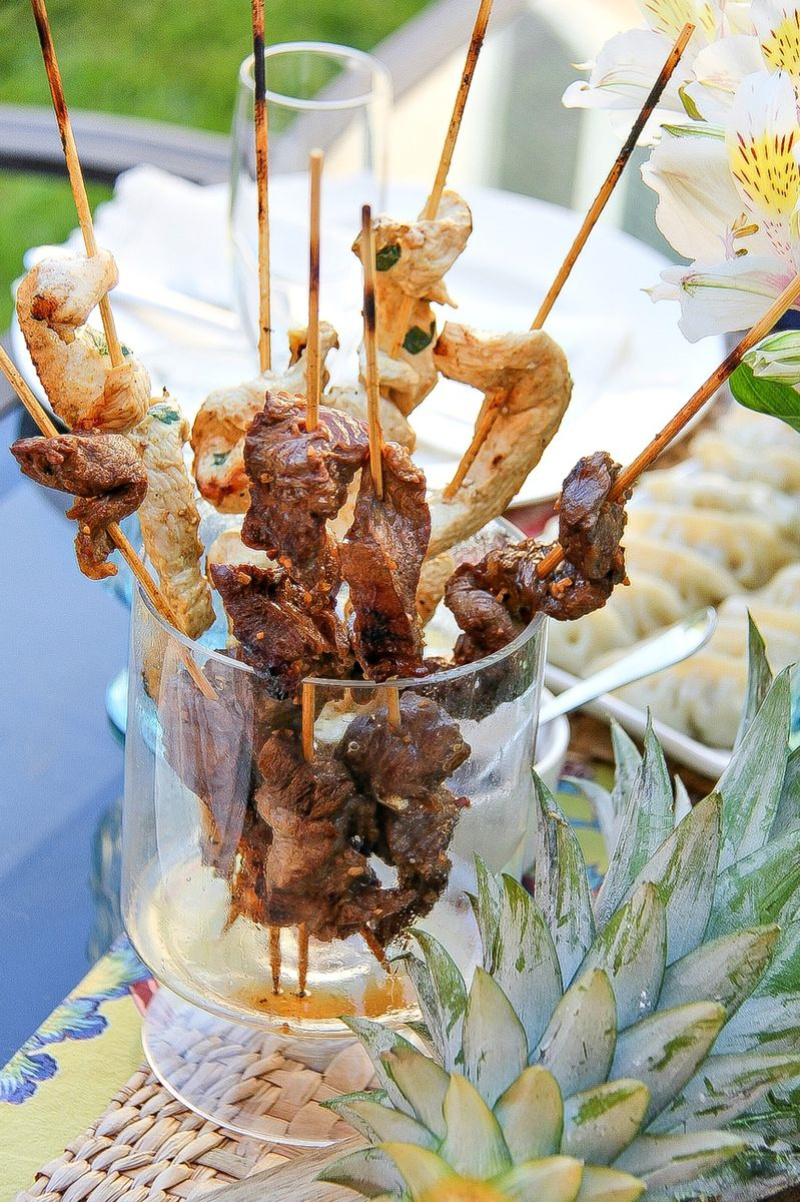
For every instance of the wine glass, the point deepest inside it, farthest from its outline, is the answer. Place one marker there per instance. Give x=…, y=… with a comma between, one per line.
x=323, y=96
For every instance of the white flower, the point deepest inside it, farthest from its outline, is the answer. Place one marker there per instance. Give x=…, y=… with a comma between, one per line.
x=722, y=297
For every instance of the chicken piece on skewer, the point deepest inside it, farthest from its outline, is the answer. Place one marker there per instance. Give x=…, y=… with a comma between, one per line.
x=381, y=558
x=226, y=414
x=526, y=378
x=494, y=600
x=299, y=481
x=169, y=517
x=412, y=261
x=106, y=475
x=71, y=359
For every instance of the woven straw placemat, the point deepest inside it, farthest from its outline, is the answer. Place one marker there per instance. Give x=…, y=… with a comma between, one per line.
x=147, y=1147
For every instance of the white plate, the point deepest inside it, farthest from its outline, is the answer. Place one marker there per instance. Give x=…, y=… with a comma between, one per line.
x=632, y=368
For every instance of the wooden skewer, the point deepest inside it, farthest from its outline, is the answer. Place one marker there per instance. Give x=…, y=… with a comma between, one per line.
x=74, y=167
x=375, y=947
x=629, y=475
x=316, y=162
x=393, y=706
x=446, y=159
x=490, y=415
x=302, y=960
x=308, y=702
x=262, y=187
x=371, y=350
x=611, y=181
x=149, y=586
x=275, y=958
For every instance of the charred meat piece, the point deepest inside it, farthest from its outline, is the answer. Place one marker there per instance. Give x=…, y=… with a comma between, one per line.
x=381, y=558
x=590, y=529
x=298, y=481
x=106, y=475
x=283, y=630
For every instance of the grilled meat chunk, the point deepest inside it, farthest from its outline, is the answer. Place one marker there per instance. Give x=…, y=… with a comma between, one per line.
x=106, y=475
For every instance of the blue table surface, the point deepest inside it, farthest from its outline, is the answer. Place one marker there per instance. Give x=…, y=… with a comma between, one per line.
x=63, y=638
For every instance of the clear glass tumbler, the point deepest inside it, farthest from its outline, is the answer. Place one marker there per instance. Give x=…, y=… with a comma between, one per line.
x=319, y=96
x=226, y=869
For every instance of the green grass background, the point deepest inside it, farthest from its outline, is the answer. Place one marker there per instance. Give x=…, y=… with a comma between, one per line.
x=172, y=60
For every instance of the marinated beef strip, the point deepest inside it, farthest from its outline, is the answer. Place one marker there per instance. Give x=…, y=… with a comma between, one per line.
x=104, y=473
x=283, y=630
x=590, y=530
x=404, y=770
x=299, y=481
x=381, y=559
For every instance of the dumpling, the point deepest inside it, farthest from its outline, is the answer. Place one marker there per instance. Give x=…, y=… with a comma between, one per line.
x=646, y=605
x=712, y=490
x=575, y=645
x=747, y=546
x=784, y=588
x=701, y=696
x=777, y=465
x=697, y=580
x=779, y=627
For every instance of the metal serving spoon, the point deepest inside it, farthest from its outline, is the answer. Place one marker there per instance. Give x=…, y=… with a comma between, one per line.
x=651, y=655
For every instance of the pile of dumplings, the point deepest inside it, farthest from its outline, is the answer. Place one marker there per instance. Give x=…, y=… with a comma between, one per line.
x=723, y=529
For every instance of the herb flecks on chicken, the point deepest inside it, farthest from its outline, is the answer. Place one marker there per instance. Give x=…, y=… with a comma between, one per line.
x=590, y=529
x=104, y=473
x=71, y=359
x=283, y=630
x=299, y=481
x=381, y=558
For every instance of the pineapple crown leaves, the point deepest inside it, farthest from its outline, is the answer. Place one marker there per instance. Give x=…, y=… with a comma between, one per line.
x=650, y=1039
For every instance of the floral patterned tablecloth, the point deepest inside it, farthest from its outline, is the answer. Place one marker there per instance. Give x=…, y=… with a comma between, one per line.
x=63, y=1077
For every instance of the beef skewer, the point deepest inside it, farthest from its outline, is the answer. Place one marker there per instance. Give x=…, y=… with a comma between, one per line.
x=443, y=170
x=601, y=200
x=262, y=187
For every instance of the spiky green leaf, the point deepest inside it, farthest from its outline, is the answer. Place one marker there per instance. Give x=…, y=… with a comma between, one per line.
x=609, y=1185
x=534, y=1093
x=378, y=1040
x=627, y=763
x=754, y=891
x=561, y=887
x=766, y=1024
x=724, y=1088
x=665, y=1050
x=474, y=1143
x=578, y=1045
x=420, y=1169
x=599, y=1123
x=759, y=678
x=669, y=1160
x=556, y=1179
x=783, y=973
x=646, y=824
x=369, y=1172
x=492, y=1061
x=788, y=815
x=525, y=962
x=422, y=1082
x=442, y=996
x=379, y=1123
x=632, y=952
x=684, y=868
x=752, y=784
x=487, y=907
x=725, y=970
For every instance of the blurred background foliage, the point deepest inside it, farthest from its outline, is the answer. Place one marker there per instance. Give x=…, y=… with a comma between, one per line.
x=170, y=60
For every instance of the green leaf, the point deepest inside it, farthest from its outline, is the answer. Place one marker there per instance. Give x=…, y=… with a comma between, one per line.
x=685, y=868
x=783, y=974
x=759, y=678
x=788, y=815
x=752, y=784
x=369, y=1172
x=645, y=826
x=487, y=907
x=724, y=1088
x=609, y=1185
x=420, y=1169
x=561, y=886
x=422, y=1082
x=578, y=1045
x=665, y=1050
x=219, y=457
x=632, y=953
x=474, y=1143
x=416, y=340
x=386, y=258
x=525, y=962
x=754, y=891
x=442, y=996
x=664, y=1161
x=531, y=1115
x=766, y=1024
x=766, y=396
x=555, y=1179
x=378, y=1040
x=599, y=1123
x=168, y=415
x=689, y=105
x=725, y=970
x=495, y=1046
x=379, y=1123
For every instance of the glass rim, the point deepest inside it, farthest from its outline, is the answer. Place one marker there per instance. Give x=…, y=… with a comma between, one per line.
x=445, y=676
x=333, y=50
